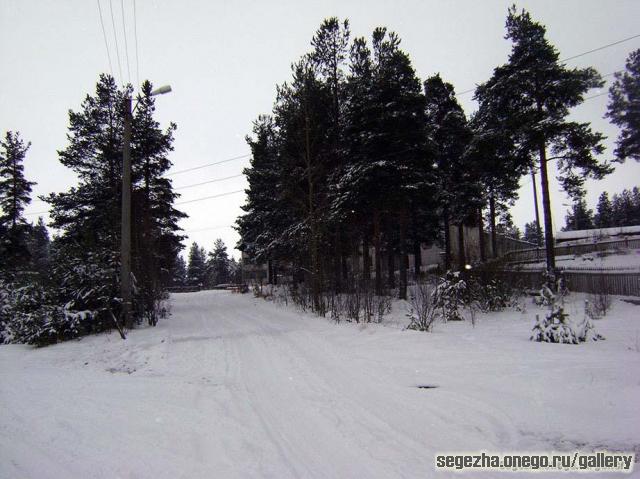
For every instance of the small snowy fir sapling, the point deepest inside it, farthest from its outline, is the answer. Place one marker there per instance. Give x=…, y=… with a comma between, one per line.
x=557, y=326
x=448, y=296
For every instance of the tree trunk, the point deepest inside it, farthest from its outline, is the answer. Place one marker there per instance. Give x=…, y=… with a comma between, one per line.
x=461, y=256
x=447, y=239
x=337, y=266
x=391, y=266
x=481, y=245
x=274, y=272
x=378, y=252
x=402, y=293
x=417, y=257
x=546, y=208
x=314, y=239
x=366, y=260
x=492, y=220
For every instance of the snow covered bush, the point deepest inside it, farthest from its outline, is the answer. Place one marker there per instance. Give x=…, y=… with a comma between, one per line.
x=557, y=326
x=489, y=295
x=80, y=297
x=422, y=311
x=89, y=290
x=28, y=315
x=449, y=296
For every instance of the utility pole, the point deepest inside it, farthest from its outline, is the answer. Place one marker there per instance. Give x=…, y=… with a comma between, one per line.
x=125, y=252
x=535, y=202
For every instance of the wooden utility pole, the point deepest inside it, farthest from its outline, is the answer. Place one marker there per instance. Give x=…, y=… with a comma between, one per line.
x=125, y=251
x=546, y=208
x=535, y=202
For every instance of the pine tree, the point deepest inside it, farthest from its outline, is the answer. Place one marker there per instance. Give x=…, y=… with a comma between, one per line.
x=197, y=266
x=40, y=249
x=303, y=119
x=505, y=226
x=218, y=264
x=604, y=212
x=534, y=92
x=330, y=48
x=580, y=217
x=532, y=234
x=635, y=198
x=235, y=271
x=179, y=272
x=499, y=163
x=15, y=195
x=401, y=157
x=266, y=215
x=155, y=234
x=89, y=214
x=623, y=209
x=457, y=183
x=624, y=108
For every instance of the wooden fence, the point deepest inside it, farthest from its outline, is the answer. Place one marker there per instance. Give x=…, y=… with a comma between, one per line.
x=538, y=254
x=626, y=283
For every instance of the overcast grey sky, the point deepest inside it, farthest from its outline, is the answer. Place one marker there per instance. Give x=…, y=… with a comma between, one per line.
x=224, y=59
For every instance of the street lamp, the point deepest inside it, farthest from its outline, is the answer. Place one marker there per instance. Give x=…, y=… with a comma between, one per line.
x=125, y=240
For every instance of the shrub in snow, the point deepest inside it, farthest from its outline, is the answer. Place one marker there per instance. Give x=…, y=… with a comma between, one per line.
x=28, y=315
x=422, y=310
x=491, y=295
x=554, y=328
x=449, y=295
x=557, y=326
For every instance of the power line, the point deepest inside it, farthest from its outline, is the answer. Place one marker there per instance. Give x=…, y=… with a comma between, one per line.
x=215, y=180
x=209, y=228
x=601, y=48
x=596, y=96
x=37, y=213
x=104, y=35
x=208, y=164
x=126, y=46
x=578, y=56
x=135, y=34
x=115, y=36
x=210, y=197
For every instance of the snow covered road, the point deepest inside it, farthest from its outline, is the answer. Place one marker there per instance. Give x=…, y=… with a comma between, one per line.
x=232, y=386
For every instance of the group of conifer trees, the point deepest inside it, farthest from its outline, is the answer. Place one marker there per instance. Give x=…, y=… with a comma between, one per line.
x=621, y=210
x=54, y=290
x=206, y=270
x=360, y=155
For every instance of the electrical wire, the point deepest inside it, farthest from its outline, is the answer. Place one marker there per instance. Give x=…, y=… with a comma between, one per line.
x=208, y=229
x=608, y=45
x=37, y=213
x=206, y=165
x=115, y=36
x=126, y=46
x=601, y=48
x=215, y=180
x=210, y=197
x=135, y=35
x=104, y=35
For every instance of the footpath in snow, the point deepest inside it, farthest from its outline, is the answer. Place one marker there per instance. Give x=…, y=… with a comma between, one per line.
x=232, y=386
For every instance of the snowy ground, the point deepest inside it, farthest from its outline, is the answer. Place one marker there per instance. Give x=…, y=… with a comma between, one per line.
x=232, y=386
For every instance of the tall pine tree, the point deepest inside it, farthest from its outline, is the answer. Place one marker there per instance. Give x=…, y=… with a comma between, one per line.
x=15, y=195
x=89, y=214
x=624, y=108
x=218, y=264
x=534, y=91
